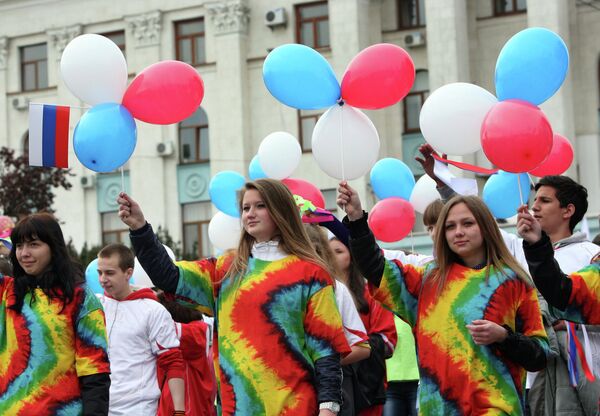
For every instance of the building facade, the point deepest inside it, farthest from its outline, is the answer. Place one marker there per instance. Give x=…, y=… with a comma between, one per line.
x=227, y=42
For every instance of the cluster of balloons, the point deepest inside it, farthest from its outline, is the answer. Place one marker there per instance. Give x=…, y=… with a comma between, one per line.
x=511, y=129
x=95, y=71
x=345, y=143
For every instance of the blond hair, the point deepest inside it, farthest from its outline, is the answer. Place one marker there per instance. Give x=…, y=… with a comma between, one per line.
x=498, y=258
x=320, y=242
x=285, y=214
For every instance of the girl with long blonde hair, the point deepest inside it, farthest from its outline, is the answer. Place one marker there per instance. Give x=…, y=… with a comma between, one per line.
x=279, y=336
x=473, y=310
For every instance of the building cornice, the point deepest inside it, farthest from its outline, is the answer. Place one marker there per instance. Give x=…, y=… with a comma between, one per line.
x=231, y=16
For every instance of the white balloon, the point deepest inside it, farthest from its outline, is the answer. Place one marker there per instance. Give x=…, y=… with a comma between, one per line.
x=452, y=115
x=279, y=154
x=140, y=278
x=345, y=143
x=224, y=231
x=94, y=69
x=423, y=194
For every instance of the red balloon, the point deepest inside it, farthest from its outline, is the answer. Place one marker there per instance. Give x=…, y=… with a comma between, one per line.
x=392, y=219
x=306, y=190
x=379, y=76
x=559, y=159
x=164, y=93
x=516, y=136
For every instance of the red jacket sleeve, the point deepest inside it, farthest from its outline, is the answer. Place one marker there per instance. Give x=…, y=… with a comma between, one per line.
x=381, y=321
x=171, y=363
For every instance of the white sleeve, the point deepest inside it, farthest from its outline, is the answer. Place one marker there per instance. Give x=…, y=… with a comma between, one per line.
x=161, y=330
x=402, y=257
x=354, y=329
x=515, y=247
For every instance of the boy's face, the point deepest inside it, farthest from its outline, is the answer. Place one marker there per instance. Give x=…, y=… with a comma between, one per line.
x=113, y=279
x=547, y=210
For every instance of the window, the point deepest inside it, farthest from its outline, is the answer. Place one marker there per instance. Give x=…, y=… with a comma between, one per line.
x=312, y=24
x=411, y=14
x=306, y=125
x=196, y=217
x=504, y=7
x=190, y=42
x=330, y=196
x=414, y=101
x=113, y=230
x=193, y=138
x=118, y=38
x=34, y=67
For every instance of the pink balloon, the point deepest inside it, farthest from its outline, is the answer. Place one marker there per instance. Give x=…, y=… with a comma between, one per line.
x=164, y=93
x=559, y=159
x=306, y=190
x=379, y=76
x=392, y=219
x=516, y=136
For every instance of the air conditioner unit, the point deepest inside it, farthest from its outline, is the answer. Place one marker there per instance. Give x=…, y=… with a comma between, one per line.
x=275, y=17
x=164, y=149
x=20, y=103
x=88, y=181
x=414, y=39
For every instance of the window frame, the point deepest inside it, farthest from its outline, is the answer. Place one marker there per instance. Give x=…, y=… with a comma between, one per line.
x=117, y=32
x=198, y=223
x=423, y=94
x=314, y=20
x=197, y=138
x=515, y=10
x=116, y=232
x=399, y=16
x=35, y=62
x=192, y=37
x=302, y=117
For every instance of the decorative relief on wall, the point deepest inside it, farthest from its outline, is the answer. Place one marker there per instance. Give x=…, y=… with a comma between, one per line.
x=145, y=28
x=229, y=16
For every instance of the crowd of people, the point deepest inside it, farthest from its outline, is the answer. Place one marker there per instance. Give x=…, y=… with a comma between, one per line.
x=312, y=319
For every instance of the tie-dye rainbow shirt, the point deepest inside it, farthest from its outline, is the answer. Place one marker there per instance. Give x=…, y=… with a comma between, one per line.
x=584, y=302
x=272, y=327
x=43, y=351
x=459, y=377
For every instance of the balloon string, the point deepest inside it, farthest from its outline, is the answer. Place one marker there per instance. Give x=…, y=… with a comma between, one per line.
x=412, y=243
x=520, y=190
x=342, y=145
x=122, y=179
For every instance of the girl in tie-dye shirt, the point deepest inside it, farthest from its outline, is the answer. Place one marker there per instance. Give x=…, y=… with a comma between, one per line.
x=53, y=352
x=279, y=332
x=473, y=311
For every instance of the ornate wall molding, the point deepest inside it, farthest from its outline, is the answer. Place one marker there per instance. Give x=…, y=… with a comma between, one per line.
x=230, y=16
x=59, y=38
x=145, y=28
x=3, y=52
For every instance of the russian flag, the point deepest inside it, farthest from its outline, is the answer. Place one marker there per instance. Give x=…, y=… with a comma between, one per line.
x=48, y=135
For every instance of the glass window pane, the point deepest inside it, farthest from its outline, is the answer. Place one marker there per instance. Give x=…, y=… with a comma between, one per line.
x=197, y=211
x=112, y=222
x=34, y=52
x=521, y=5
x=187, y=140
x=306, y=34
x=190, y=240
x=109, y=238
x=408, y=13
x=190, y=28
x=206, y=249
x=124, y=236
x=197, y=119
x=503, y=6
x=308, y=125
x=200, y=50
x=323, y=33
x=185, y=51
x=204, y=144
x=421, y=81
x=118, y=39
x=413, y=108
x=42, y=74
x=318, y=10
x=29, y=77
x=422, y=21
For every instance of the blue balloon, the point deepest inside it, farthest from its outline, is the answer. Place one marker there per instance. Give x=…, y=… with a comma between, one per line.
x=531, y=66
x=392, y=178
x=255, y=170
x=91, y=277
x=300, y=77
x=105, y=137
x=501, y=193
x=223, y=189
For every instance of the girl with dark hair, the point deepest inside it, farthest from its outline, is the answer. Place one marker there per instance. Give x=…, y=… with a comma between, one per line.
x=280, y=334
x=53, y=351
x=473, y=310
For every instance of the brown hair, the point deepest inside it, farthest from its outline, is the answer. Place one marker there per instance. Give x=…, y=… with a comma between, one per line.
x=284, y=213
x=432, y=212
x=126, y=257
x=319, y=241
x=497, y=255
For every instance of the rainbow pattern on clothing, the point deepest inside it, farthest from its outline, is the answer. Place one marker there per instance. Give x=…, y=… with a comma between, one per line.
x=584, y=303
x=272, y=327
x=44, y=351
x=459, y=377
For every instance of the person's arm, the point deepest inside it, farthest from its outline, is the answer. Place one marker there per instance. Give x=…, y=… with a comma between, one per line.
x=328, y=373
x=94, y=394
x=354, y=329
x=428, y=164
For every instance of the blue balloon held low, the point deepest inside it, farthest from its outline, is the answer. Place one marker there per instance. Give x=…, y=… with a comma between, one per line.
x=105, y=137
x=300, y=77
x=531, y=66
x=255, y=170
x=501, y=193
x=223, y=188
x=392, y=178
x=91, y=277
